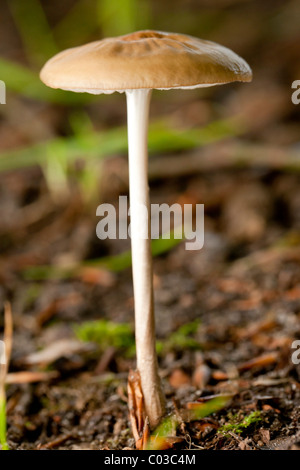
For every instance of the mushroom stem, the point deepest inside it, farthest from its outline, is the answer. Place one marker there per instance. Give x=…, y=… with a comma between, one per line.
x=137, y=120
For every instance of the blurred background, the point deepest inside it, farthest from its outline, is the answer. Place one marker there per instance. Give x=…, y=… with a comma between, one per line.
x=234, y=148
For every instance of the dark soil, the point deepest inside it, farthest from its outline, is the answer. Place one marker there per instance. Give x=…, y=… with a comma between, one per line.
x=244, y=289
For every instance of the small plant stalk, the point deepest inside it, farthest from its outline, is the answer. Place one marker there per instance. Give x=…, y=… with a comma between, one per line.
x=3, y=442
x=137, y=113
x=4, y=363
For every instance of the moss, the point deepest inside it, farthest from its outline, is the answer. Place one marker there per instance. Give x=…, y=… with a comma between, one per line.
x=106, y=334
x=183, y=338
x=238, y=424
x=121, y=336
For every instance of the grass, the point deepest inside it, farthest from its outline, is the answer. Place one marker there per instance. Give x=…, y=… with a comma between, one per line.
x=83, y=22
x=34, y=30
x=98, y=145
x=114, y=263
x=3, y=441
x=57, y=156
x=131, y=15
x=170, y=424
x=5, y=353
x=25, y=82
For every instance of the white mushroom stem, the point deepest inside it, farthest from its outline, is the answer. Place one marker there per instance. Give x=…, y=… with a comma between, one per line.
x=137, y=114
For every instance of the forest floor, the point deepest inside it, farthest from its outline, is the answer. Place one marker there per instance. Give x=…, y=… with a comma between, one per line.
x=226, y=315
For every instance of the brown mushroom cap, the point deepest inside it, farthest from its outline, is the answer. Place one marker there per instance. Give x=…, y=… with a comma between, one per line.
x=145, y=59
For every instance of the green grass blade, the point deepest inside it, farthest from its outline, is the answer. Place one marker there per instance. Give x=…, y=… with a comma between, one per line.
x=114, y=263
x=162, y=138
x=3, y=442
x=34, y=30
x=169, y=425
x=22, y=80
x=77, y=26
x=117, y=17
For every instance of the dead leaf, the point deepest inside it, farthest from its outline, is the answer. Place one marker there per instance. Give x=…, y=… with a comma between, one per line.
x=265, y=435
x=105, y=360
x=292, y=294
x=247, y=304
x=257, y=327
x=56, y=350
x=102, y=277
x=243, y=445
x=143, y=442
x=201, y=376
x=219, y=375
x=179, y=378
x=55, y=306
x=136, y=404
x=259, y=362
x=269, y=408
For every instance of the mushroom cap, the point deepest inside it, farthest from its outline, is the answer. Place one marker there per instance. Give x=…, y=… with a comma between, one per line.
x=144, y=59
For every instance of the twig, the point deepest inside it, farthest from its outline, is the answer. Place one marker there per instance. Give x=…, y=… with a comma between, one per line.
x=57, y=442
x=26, y=377
x=8, y=333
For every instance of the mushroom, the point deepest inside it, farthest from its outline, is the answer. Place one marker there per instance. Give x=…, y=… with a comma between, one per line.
x=135, y=64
